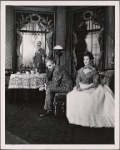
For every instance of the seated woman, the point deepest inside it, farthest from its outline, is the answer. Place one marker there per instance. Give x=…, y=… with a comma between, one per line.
x=89, y=103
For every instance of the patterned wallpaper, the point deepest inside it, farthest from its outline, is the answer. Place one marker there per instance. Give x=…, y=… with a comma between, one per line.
x=110, y=36
x=9, y=38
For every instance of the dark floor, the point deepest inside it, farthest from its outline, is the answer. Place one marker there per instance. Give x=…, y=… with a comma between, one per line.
x=13, y=139
x=22, y=121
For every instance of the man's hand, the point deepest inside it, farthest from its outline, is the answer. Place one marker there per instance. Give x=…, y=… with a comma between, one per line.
x=79, y=89
x=42, y=88
x=45, y=86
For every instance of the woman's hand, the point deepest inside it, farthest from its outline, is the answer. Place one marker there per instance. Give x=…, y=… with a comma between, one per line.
x=78, y=86
x=79, y=89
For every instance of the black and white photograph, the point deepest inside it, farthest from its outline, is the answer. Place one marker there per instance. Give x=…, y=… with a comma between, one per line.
x=60, y=74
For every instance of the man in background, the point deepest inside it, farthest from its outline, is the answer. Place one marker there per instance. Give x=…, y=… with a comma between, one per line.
x=39, y=57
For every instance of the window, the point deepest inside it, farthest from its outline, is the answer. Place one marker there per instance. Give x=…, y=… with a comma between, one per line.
x=88, y=26
x=93, y=46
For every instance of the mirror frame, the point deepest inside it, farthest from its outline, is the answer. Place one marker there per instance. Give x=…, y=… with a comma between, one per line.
x=44, y=13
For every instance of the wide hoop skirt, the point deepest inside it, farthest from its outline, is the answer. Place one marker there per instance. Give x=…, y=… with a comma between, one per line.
x=91, y=108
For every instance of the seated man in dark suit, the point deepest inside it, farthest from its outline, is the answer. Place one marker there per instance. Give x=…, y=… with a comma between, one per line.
x=58, y=81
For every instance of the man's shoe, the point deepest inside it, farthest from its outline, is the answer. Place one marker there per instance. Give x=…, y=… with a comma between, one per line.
x=48, y=113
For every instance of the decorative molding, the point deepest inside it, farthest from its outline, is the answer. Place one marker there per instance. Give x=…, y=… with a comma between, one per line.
x=43, y=23
x=87, y=15
x=35, y=8
x=35, y=18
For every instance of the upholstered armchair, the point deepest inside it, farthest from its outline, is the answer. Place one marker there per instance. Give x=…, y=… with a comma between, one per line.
x=108, y=78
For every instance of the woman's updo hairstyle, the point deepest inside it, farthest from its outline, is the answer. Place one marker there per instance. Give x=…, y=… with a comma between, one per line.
x=89, y=54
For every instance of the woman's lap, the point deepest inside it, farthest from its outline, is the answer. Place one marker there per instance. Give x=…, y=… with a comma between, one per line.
x=93, y=100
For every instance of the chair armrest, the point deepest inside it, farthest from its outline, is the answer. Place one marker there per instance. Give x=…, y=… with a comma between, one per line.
x=108, y=79
x=60, y=94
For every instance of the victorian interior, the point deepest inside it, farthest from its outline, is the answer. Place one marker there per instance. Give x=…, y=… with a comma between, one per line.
x=74, y=29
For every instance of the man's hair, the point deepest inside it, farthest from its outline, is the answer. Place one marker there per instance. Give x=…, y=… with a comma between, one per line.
x=51, y=60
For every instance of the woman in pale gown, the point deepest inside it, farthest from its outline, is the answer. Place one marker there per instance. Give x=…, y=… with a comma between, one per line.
x=90, y=104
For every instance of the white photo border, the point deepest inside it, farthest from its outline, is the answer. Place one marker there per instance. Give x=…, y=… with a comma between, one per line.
x=3, y=33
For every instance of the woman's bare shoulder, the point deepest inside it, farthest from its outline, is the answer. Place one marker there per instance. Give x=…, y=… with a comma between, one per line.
x=79, y=71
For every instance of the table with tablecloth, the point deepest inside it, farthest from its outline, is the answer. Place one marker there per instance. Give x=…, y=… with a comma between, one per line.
x=26, y=86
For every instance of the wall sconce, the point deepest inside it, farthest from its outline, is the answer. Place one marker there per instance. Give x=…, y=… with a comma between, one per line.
x=58, y=50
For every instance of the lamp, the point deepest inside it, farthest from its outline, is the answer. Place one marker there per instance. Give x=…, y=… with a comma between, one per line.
x=58, y=50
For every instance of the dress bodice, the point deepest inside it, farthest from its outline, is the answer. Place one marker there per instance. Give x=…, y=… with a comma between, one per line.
x=87, y=78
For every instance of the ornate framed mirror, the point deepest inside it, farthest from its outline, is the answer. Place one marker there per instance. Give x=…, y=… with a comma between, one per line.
x=32, y=28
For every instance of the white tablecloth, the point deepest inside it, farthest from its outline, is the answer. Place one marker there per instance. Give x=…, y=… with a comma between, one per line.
x=24, y=81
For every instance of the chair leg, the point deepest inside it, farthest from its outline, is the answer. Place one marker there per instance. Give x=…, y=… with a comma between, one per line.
x=63, y=107
x=55, y=108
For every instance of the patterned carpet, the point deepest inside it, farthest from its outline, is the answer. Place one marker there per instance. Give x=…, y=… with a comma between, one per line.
x=23, y=121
